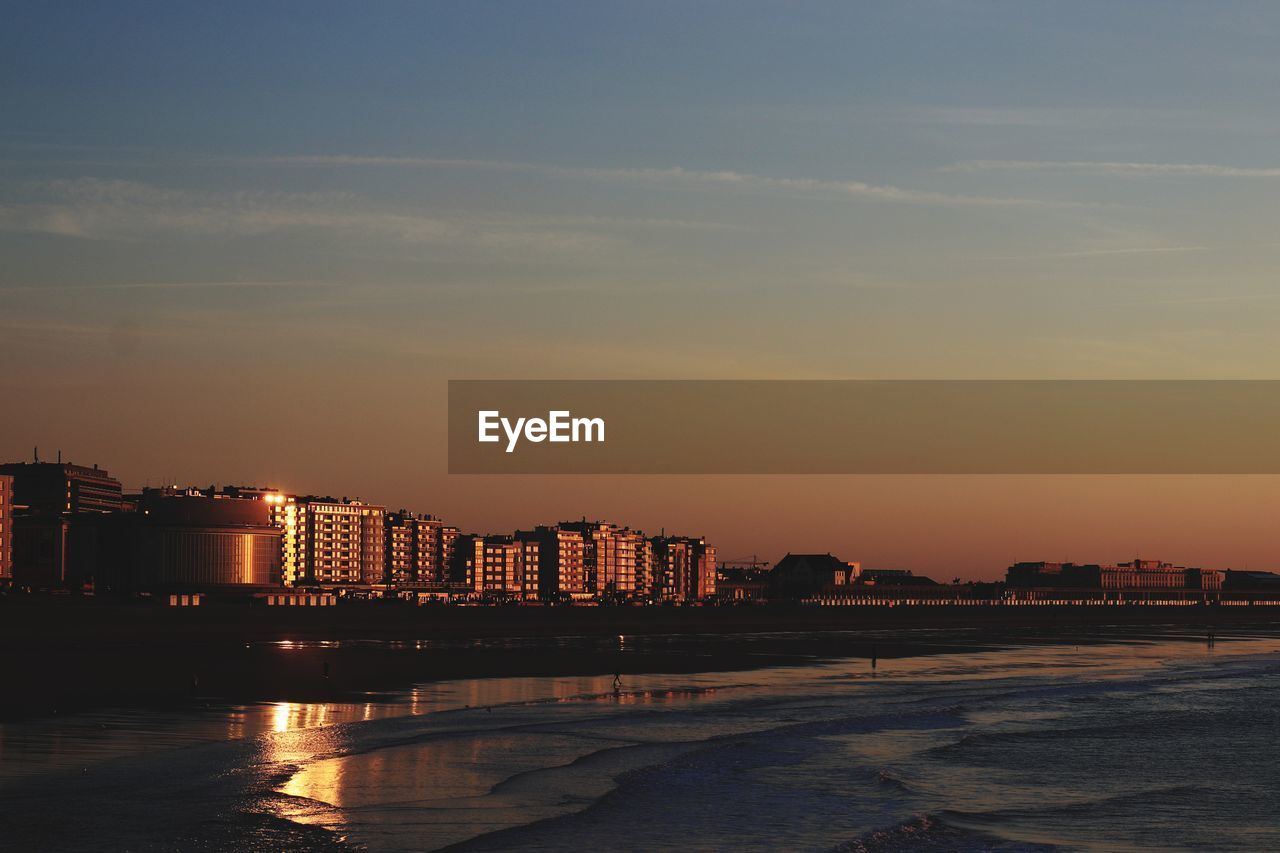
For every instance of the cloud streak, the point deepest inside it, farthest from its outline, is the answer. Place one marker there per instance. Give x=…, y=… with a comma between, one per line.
x=1098, y=253
x=1116, y=168
x=170, y=285
x=677, y=177
x=94, y=209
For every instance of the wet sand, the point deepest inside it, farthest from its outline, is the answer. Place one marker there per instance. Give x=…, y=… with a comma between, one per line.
x=64, y=654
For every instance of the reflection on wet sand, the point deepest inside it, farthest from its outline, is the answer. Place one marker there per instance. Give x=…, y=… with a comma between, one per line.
x=450, y=761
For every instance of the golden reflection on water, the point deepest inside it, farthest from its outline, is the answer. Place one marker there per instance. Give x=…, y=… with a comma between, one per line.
x=81, y=740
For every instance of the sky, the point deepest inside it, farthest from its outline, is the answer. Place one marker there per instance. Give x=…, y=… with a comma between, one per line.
x=250, y=242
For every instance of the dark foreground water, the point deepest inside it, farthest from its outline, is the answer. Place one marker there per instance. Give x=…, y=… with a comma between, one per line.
x=1160, y=743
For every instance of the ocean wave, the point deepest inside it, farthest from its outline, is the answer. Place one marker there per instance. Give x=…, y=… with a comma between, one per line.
x=888, y=780
x=1171, y=796
x=1168, y=722
x=930, y=832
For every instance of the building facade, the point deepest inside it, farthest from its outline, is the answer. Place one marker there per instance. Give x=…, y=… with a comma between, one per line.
x=53, y=510
x=561, y=562
x=414, y=552
x=284, y=514
x=194, y=542
x=58, y=488
x=341, y=542
x=498, y=566
x=610, y=558
x=1137, y=577
x=684, y=569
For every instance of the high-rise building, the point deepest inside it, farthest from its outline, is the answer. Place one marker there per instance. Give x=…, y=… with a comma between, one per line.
x=53, y=510
x=6, y=530
x=413, y=550
x=341, y=542
x=498, y=565
x=448, y=543
x=467, y=566
x=58, y=488
x=645, y=570
x=609, y=557
x=684, y=568
x=398, y=550
x=561, y=569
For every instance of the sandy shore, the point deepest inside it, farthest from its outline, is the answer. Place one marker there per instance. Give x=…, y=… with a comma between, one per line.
x=64, y=654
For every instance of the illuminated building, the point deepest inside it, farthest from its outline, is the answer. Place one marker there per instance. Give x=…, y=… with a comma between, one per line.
x=414, y=552
x=341, y=541
x=560, y=555
x=284, y=514
x=499, y=565
x=183, y=540
x=609, y=557
x=448, y=542
x=200, y=542
x=644, y=569
x=684, y=568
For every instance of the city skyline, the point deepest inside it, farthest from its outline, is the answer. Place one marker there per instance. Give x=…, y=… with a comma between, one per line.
x=402, y=521
x=253, y=244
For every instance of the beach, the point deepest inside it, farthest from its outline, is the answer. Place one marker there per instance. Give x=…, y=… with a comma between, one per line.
x=1130, y=738
x=64, y=654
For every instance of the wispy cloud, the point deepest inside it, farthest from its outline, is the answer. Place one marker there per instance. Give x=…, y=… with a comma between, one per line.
x=90, y=208
x=1218, y=299
x=1090, y=167
x=168, y=285
x=677, y=177
x=1096, y=253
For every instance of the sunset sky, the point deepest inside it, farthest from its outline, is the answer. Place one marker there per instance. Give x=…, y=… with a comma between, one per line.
x=251, y=242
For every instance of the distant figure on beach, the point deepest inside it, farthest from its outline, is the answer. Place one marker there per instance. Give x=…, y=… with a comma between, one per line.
x=873, y=656
x=617, y=681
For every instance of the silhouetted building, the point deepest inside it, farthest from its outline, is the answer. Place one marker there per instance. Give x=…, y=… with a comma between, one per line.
x=1137, y=576
x=6, y=530
x=832, y=580
x=684, y=568
x=54, y=508
x=57, y=487
x=1267, y=583
x=888, y=577
x=742, y=584
x=807, y=575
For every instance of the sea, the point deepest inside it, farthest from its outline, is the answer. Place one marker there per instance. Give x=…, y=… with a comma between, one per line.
x=1152, y=740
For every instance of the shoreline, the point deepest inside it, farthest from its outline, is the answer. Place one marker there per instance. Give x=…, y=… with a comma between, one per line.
x=68, y=655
